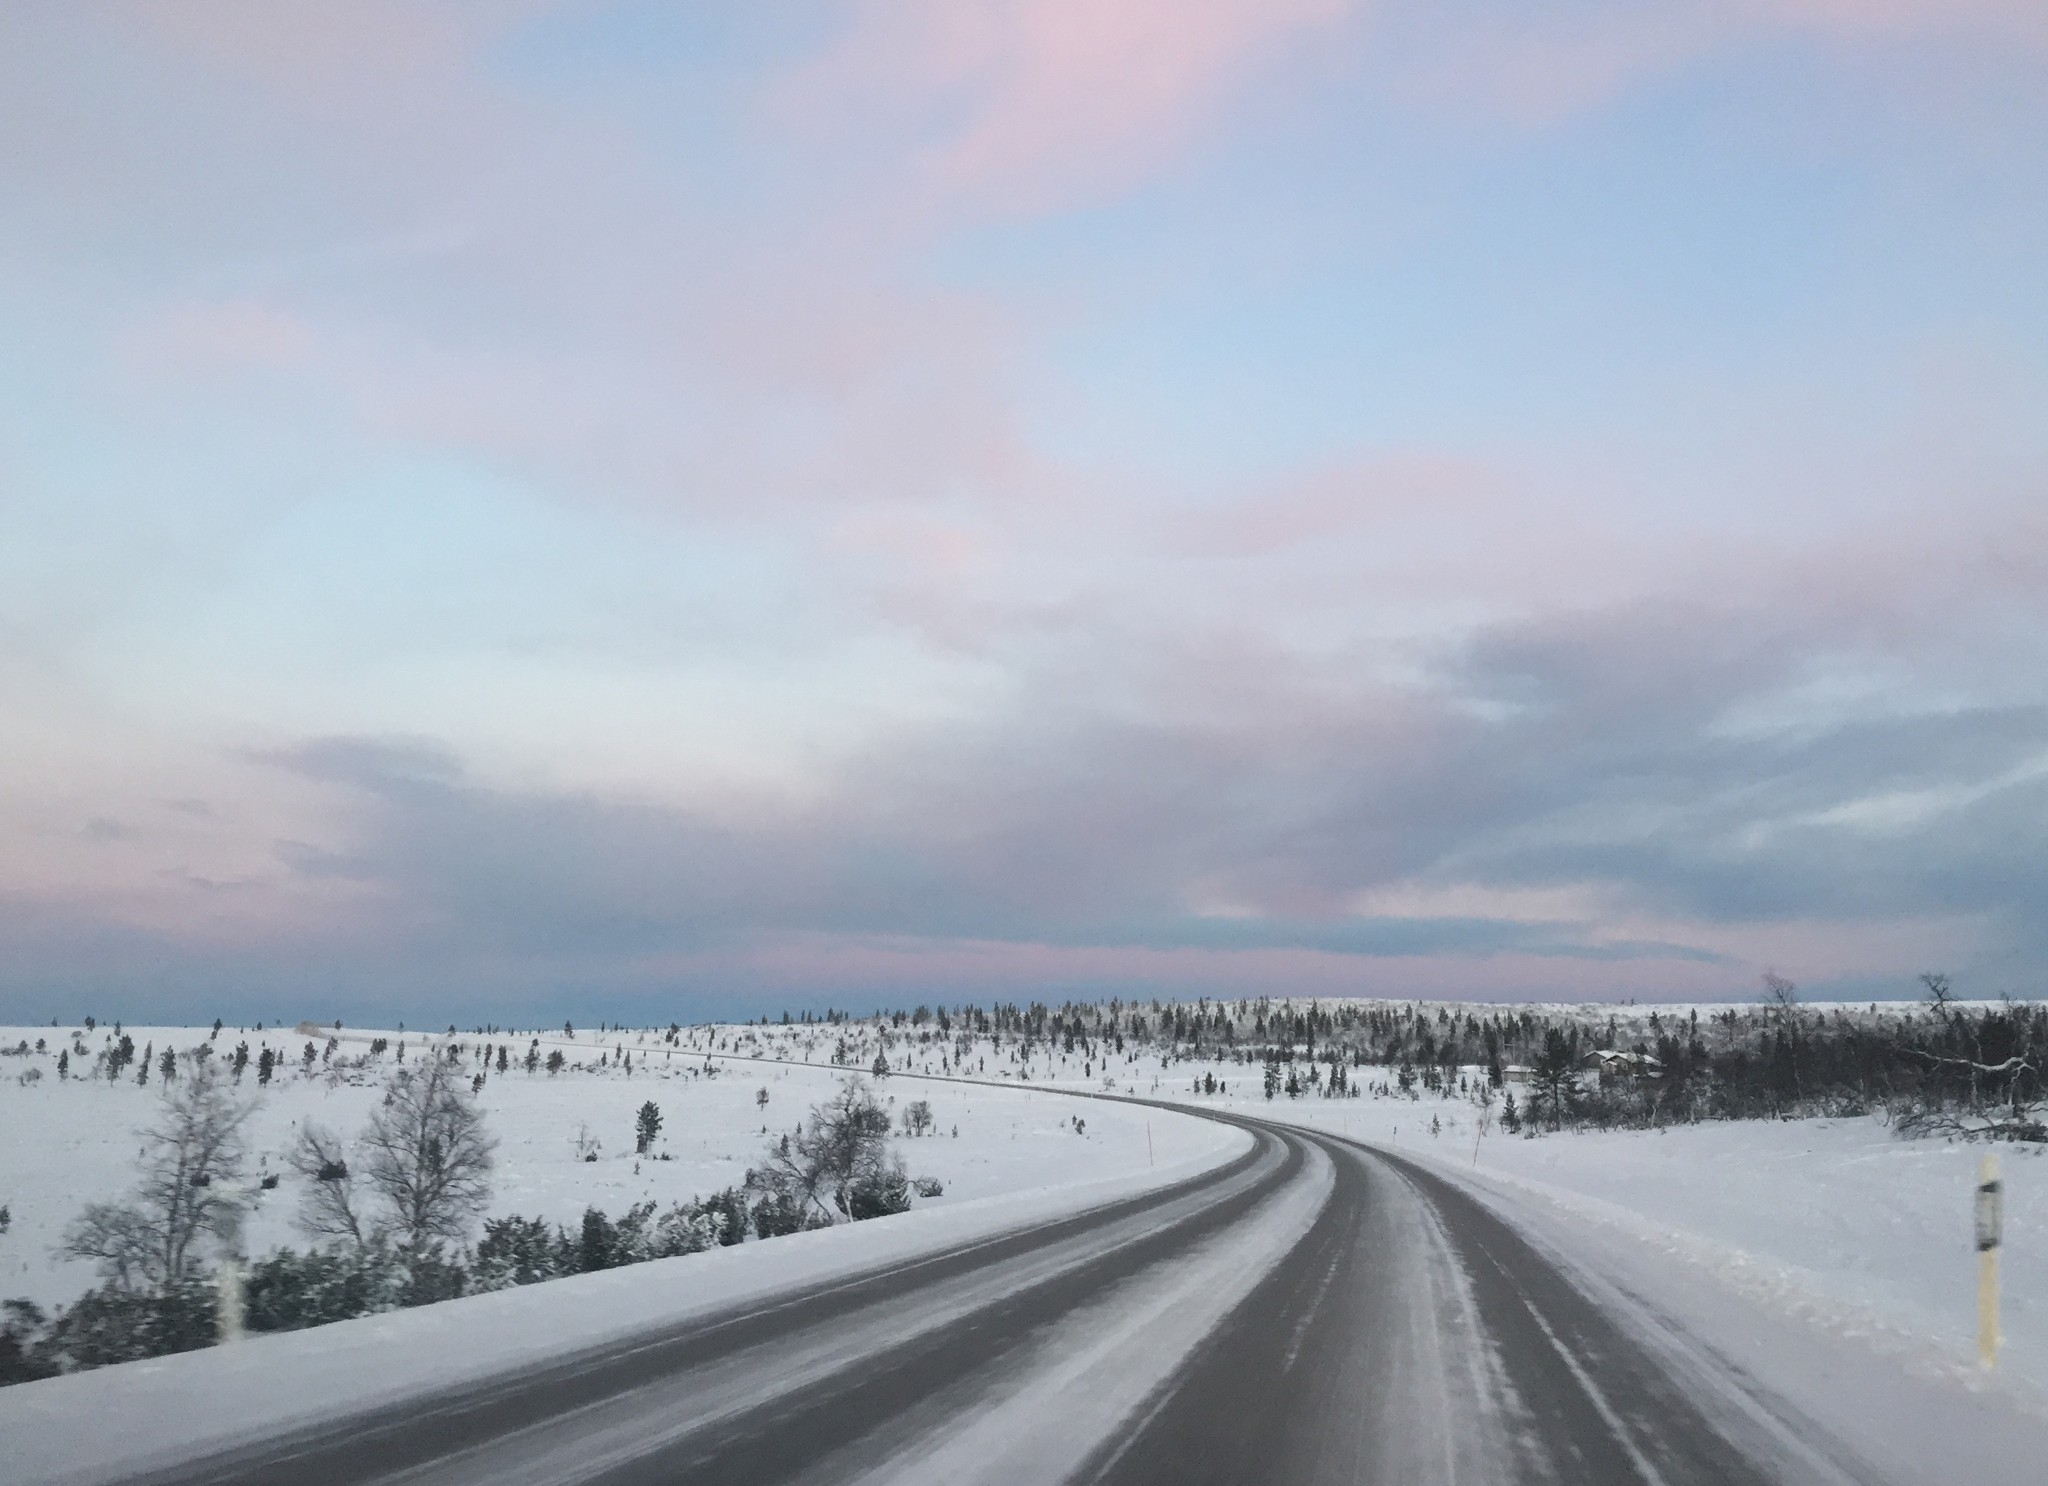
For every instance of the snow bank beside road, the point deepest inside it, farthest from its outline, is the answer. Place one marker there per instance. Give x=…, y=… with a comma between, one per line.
x=1851, y=1399
x=198, y=1402
x=1818, y=1275
x=1837, y=1220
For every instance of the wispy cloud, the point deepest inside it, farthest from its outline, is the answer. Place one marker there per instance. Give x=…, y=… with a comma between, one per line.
x=519, y=498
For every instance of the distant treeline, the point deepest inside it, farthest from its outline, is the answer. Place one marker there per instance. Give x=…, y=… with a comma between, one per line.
x=1936, y=1065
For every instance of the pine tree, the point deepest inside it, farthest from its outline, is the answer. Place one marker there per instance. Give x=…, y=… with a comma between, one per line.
x=646, y=1126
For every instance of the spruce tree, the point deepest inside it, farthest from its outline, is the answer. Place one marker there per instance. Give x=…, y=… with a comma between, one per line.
x=646, y=1126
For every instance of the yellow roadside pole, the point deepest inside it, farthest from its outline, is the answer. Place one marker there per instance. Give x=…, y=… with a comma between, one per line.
x=1990, y=1219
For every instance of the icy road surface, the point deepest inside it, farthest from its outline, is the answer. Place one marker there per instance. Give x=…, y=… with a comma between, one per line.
x=1308, y=1311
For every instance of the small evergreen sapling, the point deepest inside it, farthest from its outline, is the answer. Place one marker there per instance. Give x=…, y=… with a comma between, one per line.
x=646, y=1126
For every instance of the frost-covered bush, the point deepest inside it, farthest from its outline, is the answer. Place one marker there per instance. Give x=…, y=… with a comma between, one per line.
x=878, y=1194
x=518, y=1251
x=22, y=1327
x=111, y=1324
x=776, y=1214
x=839, y=1159
x=286, y=1290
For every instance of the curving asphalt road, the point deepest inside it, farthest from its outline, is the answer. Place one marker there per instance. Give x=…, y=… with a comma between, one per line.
x=1316, y=1311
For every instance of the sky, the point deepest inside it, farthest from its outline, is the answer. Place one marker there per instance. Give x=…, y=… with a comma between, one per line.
x=514, y=509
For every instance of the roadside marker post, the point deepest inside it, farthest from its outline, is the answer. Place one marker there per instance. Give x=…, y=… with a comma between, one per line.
x=1990, y=1226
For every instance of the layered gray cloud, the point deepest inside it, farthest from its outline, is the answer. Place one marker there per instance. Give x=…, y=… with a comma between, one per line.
x=1590, y=769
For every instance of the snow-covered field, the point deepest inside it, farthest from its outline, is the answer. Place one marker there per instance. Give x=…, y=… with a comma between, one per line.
x=1836, y=1222
x=70, y=1141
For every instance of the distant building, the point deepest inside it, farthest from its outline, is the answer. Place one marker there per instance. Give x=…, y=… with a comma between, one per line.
x=1616, y=1067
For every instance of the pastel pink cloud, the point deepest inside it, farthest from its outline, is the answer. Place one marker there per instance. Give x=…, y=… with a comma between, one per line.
x=325, y=50
x=1535, y=64
x=1032, y=103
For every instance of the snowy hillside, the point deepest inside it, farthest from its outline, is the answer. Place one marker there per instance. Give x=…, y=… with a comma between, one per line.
x=70, y=1140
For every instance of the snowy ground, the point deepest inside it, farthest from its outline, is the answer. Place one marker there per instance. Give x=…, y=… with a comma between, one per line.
x=72, y=1141
x=1836, y=1221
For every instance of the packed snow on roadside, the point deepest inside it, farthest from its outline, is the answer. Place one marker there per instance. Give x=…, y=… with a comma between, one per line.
x=72, y=1140
x=1837, y=1220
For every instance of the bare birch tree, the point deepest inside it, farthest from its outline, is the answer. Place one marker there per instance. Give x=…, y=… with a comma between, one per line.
x=191, y=1161
x=331, y=1206
x=427, y=1155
